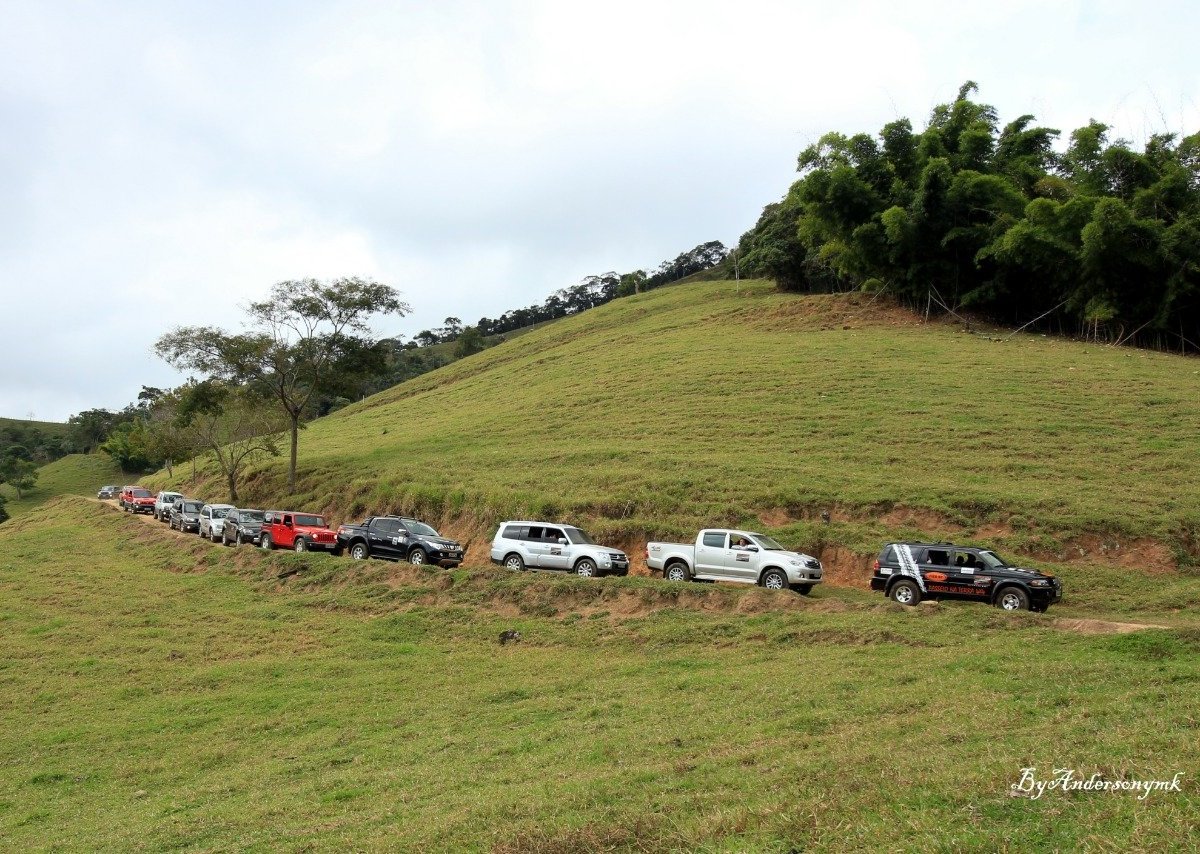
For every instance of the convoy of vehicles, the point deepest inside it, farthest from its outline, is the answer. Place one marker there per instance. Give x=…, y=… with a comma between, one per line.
x=398, y=538
x=906, y=572
x=731, y=555
x=544, y=545
x=301, y=532
x=910, y=572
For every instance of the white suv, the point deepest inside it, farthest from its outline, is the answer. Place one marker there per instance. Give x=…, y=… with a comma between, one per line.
x=545, y=545
x=162, y=505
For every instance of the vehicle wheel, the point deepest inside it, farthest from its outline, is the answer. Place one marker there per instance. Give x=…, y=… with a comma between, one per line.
x=906, y=592
x=677, y=572
x=417, y=557
x=774, y=579
x=359, y=551
x=585, y=568
x=514, y=562
x=301, y=545
x=211, y=536
x=265, y=543
x=1012, y=599
x=804, y=589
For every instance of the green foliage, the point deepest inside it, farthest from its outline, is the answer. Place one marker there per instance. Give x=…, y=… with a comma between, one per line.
x=967, y=213
x=469, y=342
x=19, y=473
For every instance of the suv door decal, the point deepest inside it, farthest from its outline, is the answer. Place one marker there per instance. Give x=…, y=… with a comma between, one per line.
x=908, y=564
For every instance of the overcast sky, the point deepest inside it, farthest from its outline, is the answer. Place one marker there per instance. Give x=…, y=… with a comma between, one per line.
x=162, y=163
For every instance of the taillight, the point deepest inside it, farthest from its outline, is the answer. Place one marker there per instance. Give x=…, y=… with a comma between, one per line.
x=877, y=564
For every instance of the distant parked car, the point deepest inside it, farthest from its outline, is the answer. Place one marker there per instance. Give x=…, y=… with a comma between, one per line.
x=910, y=572
x=398, y=538
x=185, y=515
x=135, y=499
x=545, y=545
x=109, y=492
x=162, y=504
x=729, y=555
x=212, y=520
x=300, y=532
x=242, y=526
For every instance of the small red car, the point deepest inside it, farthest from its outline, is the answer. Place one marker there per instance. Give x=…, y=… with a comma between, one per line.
x=136, y=499
x=301, y=532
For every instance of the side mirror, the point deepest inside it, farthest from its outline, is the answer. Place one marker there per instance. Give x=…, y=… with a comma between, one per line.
x=562, y=541
x=751, y=548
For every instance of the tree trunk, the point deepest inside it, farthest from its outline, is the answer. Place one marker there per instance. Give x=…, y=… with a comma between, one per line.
x=295, y=442
x=231, y=478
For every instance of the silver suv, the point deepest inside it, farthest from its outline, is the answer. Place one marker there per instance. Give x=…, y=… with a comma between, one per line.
x=162, y=504
x=212, y=520
x=545, y=545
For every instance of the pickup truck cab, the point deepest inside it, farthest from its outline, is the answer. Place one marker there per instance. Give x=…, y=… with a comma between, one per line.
x=399, y=538
x=748, y=557
x=301, y=532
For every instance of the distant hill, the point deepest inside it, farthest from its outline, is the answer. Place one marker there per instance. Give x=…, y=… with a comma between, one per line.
x=74, y=474
x=57, y=428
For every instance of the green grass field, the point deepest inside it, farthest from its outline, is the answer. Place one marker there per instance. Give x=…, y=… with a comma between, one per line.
x=709, y=404
x=74, y=474
x=163, y=693
x=55, y=428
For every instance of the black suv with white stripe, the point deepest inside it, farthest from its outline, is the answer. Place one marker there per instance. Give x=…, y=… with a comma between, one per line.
x=910, y=572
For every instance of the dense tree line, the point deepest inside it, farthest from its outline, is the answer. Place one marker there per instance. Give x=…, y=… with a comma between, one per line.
x=1099, y=239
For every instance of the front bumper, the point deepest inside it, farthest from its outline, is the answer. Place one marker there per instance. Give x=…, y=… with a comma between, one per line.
x=185, y=525
x=803, y=575
x=142, y=508
x=448, y=559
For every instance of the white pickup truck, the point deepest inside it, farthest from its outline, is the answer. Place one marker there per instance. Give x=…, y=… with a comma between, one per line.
x=721, y=554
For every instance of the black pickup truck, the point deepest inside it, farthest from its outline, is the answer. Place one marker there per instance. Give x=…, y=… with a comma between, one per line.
x=398, y=538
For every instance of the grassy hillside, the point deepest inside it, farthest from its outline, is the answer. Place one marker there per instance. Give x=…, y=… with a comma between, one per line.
x=176, y=695
x=707, y=403
x=54, y=428
x=74, y=474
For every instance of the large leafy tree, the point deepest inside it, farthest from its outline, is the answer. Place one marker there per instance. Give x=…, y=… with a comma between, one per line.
x=306, y=339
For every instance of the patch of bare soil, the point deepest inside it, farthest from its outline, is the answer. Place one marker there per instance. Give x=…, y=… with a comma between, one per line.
x=1145, y=555
x=927, y=521
x=846, y=568
x=1100, y=627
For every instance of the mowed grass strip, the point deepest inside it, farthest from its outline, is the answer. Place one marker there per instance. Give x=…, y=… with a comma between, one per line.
x=711, y=403
x=161, y=694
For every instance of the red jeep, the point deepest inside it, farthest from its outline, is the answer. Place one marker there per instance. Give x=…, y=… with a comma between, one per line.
x=300, y=532
x=135, y=499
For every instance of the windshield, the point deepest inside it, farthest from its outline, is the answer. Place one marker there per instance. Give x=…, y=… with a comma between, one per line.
x=993, y=560
x=310, y=521
x=190, y=507
x=219, y=512
x=420, y=528
x=575, y=535
x=251, y=515
x=140, y=493
x=767, y=543
x=170, y=496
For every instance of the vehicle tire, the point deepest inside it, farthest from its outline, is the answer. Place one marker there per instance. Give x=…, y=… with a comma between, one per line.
x=905, y=592
x=417, y=557
x=586, y=568
x=677, y=571
x=1012, y=599
x=514, y=562
x=804, y=589
x=265, y=543
x=359, y=551
x=301, y=545
x=774, y=579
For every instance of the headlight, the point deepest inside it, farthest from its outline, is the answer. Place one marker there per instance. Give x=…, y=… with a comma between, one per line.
x=796, y=562
x=1039, y=582
x=606, y=559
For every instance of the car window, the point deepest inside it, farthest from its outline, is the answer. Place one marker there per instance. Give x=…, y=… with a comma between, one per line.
x=889, y=555
x=419, y=528
x=251, y=515
x=552, y=535
x=579, y=537
x=311, y=521
x=513, y=532
x=937, y=557
x=191, y=507
x=966, y=560
x=534, y=533
x=386, y=526
x=715, y=539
